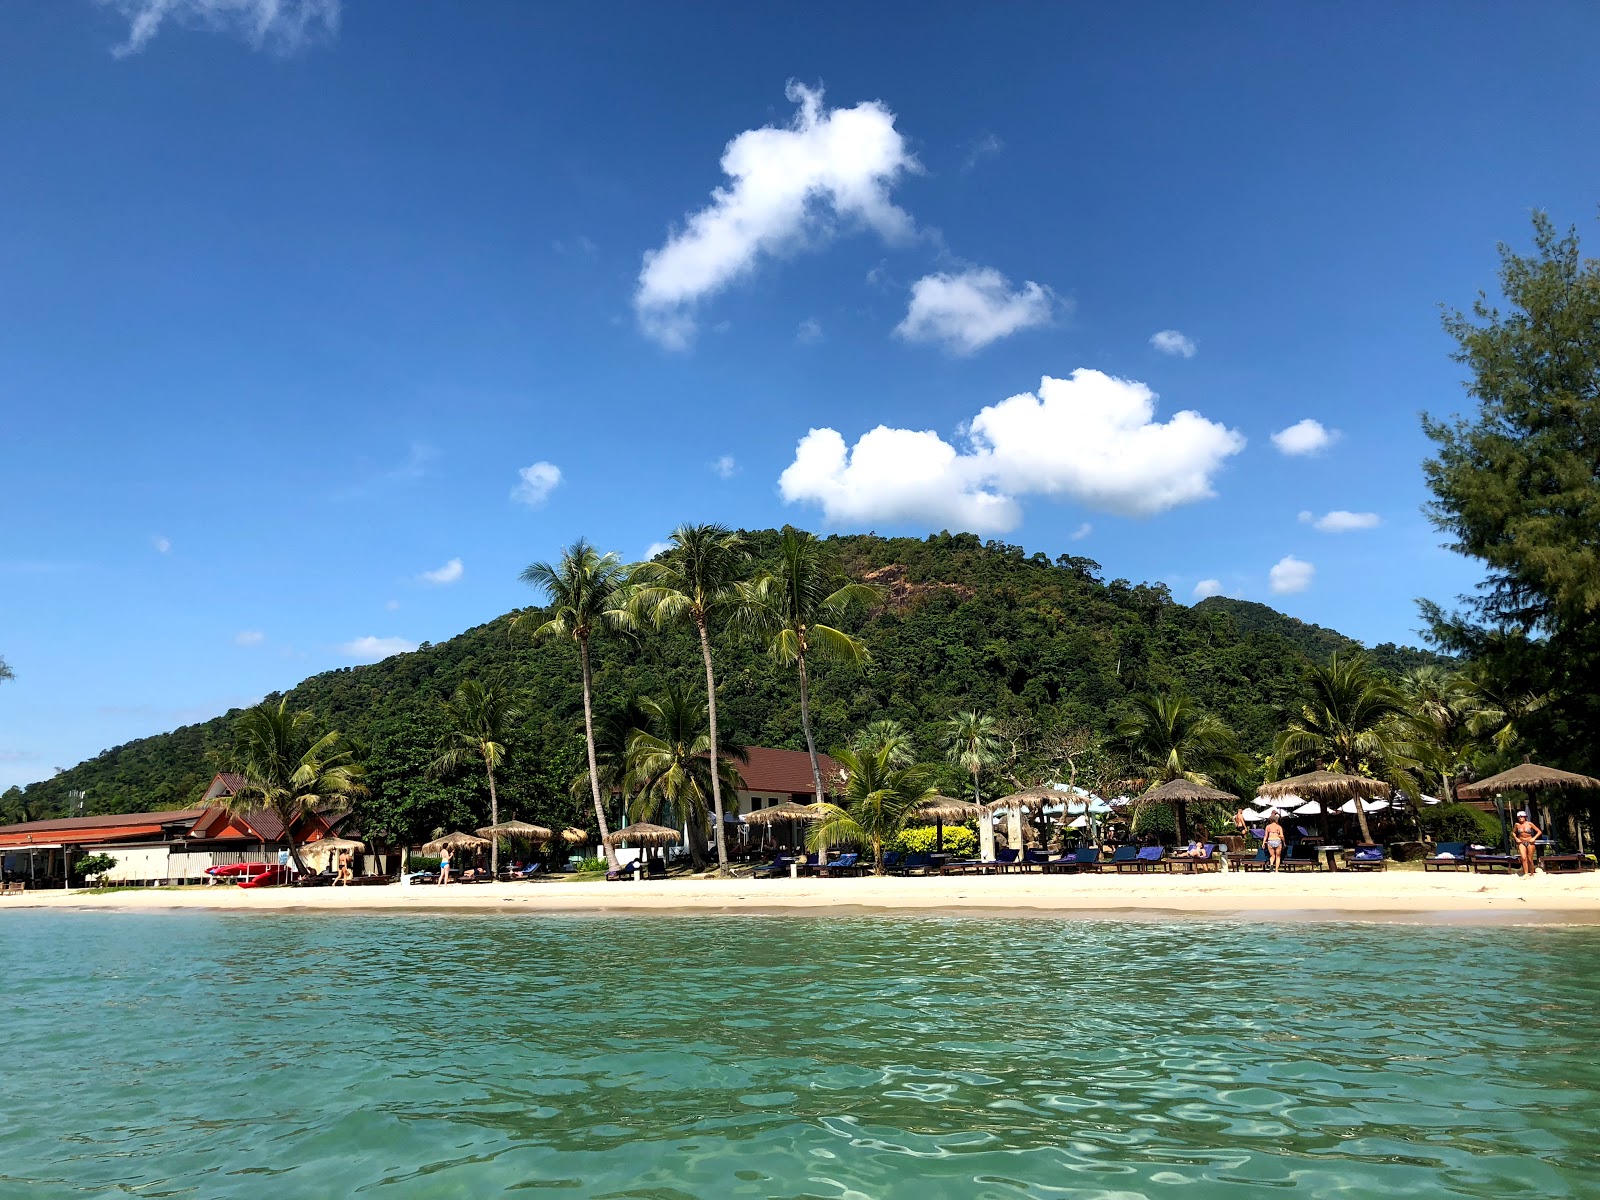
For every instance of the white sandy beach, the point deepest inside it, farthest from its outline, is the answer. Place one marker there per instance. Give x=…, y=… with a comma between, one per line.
x=1575, y=897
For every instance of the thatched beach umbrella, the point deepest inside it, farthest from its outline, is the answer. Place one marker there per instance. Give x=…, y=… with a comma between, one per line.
x=521, y=829
x=940, y=809
x=573, y=836
x=331, y=847
x=787, y=811
x=1527, y=777
x=1326, y=787
x=1180, y=793
x=454, y=841
x=643, y=835
x=1034, y=798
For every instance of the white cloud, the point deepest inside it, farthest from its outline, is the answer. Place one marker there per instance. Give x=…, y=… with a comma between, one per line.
x=1091, y=438
x=1207, y=587
x=163, y=545
x=451, y=572
x=282, y=26
x=967, y=311
x=249, y=637
x=655, y=548
x=725, y=467
x=1290, y=574
x=1170, y=341
x=538, y=481
x=393, y=606
x=787, y=186
x=371, y=649
x=1341, y=521
x=809, y=332
x=1081, y=532
x=980, y=148
x=1305, y=437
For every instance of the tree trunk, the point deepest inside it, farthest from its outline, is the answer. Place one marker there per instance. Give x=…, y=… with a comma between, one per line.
x=716, y=773
x=811, y=747
x=494, y=819
x=294, y=849
x=1180, y=820
x=1361, y=819
x=877, y=856
x=594, y=770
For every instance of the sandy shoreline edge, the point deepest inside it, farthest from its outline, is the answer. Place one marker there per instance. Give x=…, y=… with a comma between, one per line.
x=1405, y=895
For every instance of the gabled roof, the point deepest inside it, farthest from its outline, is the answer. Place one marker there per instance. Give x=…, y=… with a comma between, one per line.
x=768, y=770
x=108, y=828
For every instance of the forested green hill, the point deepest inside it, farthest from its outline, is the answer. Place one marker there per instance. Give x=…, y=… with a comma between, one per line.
x=966, y=624
x=1316, y=641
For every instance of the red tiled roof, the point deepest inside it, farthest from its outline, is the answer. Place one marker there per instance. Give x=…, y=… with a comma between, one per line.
x=226, y=783
x=111, y=827
x=769, y=770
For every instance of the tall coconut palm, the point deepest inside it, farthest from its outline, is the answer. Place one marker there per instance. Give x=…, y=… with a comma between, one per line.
x=879, y=800
x=698, y=581
x=1352, y=721
x=288, y=767
x=789, y=608
x=585, y=590
x=1168, y=736
x=670, y=768
x=481, y=721
x=972, y=742
x=1448, y=723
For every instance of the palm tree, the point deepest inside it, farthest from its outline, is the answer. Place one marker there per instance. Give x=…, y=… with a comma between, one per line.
x=670, y=766
x=1352, y=722
x=289, y=769
x=1168, y=736
x=697, y=580
x=613, y=729
x=480, y=719
x=585, y=591
x=972, y=742
x=879, y=801
x=789, y=608
x=888, y=734
x=5, y=671
x=1448, y=722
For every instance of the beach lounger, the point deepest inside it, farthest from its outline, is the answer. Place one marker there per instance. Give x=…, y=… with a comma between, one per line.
x=1559, y=864
x=1005, y=860
x=1123, y=858
x=845, y=864
x=1259, y=863
x=1032, y=860
x=1084, y=858
x=1485, y=863
x=1300, y=858
x=919, y=862
x=1447, y=856
x=655, y=869
x=1205, y=860
x=891, y=860
x=779, y=866
x=1367, y=858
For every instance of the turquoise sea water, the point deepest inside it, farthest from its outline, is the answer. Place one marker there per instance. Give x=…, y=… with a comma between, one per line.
x=420, y=1056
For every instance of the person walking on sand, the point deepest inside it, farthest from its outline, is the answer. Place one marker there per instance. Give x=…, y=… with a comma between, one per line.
x=444, y=866
x=1273, y=835
x=1527, y=835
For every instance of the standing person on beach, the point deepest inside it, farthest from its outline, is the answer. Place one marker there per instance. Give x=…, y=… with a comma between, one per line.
x=1526, y=834
x=1273, y=840
x=444, y=866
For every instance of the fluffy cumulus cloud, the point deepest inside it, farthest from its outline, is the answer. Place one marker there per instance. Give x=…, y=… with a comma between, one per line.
x=1170, y=341
x=1341, y=521
x=1207, y=587
x=371, y=649
x=966, y=311
x=786, y=187
x=1290, y=575
x=1091, y=438
x=451, y=572
x=535, y=483
x=1305, y=437
x=249, y=637
x=282, y=26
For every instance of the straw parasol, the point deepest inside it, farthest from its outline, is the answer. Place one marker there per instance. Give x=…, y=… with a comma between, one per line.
x=330, y=846
x=521, y=829
x=643, y=835
x=1526, y=777
x=1326, y=787
x=1182, y=792
x=1034, y=798
x=940, y=809
x=454, y=841
x=787, y=811
x=573, y=836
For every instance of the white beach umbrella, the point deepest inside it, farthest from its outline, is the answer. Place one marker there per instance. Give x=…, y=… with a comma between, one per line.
x=1432, y=800
x=1349, y=806
x=1250, y=814
x=1078, y=823
x=1309, y=809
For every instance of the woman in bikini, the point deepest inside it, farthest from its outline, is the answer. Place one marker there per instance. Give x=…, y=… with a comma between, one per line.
x=1526, y=835
x=1273, y=840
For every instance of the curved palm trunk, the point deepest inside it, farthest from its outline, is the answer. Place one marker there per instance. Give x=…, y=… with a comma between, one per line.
x=1180, y=818
x=716, y=772
x=594, y=770
x=811, y=744
x=1361, y=819
x=294, y=847
x=494, y=819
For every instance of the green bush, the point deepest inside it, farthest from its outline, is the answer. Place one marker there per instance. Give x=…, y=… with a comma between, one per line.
x=960, y=840
x=421, y=862
x=1460, y=823
x=591, y=864
x=93, y=864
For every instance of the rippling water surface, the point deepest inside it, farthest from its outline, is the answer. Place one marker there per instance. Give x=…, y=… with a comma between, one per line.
x=309, y=1055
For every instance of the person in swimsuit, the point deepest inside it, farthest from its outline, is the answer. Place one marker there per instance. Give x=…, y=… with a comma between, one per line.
x=1273, y=840
x=444, y=866
x=1526, y=834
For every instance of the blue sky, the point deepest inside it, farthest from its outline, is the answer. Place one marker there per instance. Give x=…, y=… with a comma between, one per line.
x=316, y=328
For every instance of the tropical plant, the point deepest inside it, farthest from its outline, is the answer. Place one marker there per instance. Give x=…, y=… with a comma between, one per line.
x=670, y=766
x=288, y=767
x=1448, y=723
x=959, y=840
x=698, y=580
x=93, y=864
x=5, y=671
x=1168, y=736
x=789, y=608
x=585, y=590
x=972, y=742
x=614, y=727
x=878, y=801
x=1351, y=722
x=889, y=734
x=482, y=720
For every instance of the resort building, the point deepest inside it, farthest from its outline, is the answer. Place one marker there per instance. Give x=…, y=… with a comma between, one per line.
x=780, y=777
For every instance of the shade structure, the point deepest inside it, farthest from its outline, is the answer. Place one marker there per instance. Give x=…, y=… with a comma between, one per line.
x=1034, y=797
x=1186, y=792
x=1325, y=785
x=573, y=836
x=329, y=847
x=521, y=829
x=948, y=808
x=1526, y=777
x=1253, y=814
x=787, y=811
x=1349, y=806
x=455, y=841
x=1306, y=808
x=643, y=834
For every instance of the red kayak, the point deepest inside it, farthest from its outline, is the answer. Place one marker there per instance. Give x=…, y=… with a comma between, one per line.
x=233, y=869
x=272, y=876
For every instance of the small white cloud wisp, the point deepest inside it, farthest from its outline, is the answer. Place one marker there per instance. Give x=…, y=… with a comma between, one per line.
x=163, y=545
x=249, y=637
x=1207, y=587
x=1304, y=437
x=966, y=311
x=1091, y=438
x=726, y=467
x=1341, y=521
x=788, y=187
x=1290, y=575
x=1170, y=341
x=451, y=572
x=280, y=26
x=535, y=484
x=372, y=649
